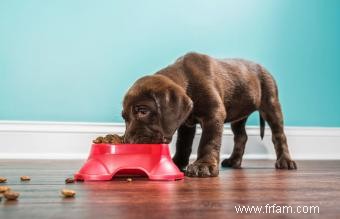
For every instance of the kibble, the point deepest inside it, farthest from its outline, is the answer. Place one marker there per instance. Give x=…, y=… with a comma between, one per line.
x=69, y=180
x=98, y=140
x=25, y=178
x=4, y=189
x=109, y=139
x=3, y=179
x=11, y=195
x=129, y=180
x=116, y=139
x=68, y=193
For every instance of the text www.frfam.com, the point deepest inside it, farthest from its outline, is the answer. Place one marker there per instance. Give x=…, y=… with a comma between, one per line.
x=276, y=209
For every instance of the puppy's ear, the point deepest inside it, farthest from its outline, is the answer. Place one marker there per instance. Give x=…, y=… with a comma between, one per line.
x=174, y=106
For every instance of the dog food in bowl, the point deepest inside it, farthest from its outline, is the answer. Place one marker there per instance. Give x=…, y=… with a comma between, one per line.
x=109, y=139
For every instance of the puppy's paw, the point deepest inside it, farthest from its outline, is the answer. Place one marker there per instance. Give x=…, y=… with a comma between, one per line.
x=285, y=163
x=202, y=169
x=232, y=162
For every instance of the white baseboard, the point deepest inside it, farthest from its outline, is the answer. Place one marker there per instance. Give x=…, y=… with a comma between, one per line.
x=69, y=140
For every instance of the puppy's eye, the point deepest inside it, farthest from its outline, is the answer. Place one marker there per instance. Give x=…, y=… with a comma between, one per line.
x=142, y=111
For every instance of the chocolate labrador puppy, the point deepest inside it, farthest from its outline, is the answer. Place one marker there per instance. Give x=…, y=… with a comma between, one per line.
x=201, y=89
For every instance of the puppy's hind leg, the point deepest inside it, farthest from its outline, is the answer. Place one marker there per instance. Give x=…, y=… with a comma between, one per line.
x=240, y=140
x=185, y=137
x=273, y=115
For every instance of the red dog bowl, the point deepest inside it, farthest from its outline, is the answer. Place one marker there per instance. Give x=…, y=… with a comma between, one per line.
x=107, y=160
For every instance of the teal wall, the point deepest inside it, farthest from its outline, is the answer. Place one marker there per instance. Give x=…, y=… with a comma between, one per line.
x=73, y=60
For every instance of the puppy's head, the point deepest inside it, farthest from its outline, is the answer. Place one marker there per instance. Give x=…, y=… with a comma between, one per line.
x=153, y=108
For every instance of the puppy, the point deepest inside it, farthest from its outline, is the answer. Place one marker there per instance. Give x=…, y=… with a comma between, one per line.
x=198, y=89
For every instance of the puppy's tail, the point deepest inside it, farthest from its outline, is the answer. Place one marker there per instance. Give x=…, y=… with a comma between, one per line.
x=262, y=126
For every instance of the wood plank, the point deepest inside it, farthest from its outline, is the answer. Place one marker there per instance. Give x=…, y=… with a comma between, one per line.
x=258, y=183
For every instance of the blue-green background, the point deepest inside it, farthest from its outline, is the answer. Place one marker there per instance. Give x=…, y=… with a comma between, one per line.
x=73, y=60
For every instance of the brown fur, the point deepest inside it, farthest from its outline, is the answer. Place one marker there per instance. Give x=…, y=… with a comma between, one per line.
x=198, y=89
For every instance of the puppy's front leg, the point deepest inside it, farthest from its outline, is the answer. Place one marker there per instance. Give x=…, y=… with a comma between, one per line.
x=208, y=154
x=185, y=138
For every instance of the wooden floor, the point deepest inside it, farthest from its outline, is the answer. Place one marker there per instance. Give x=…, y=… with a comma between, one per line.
x=315, y=183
